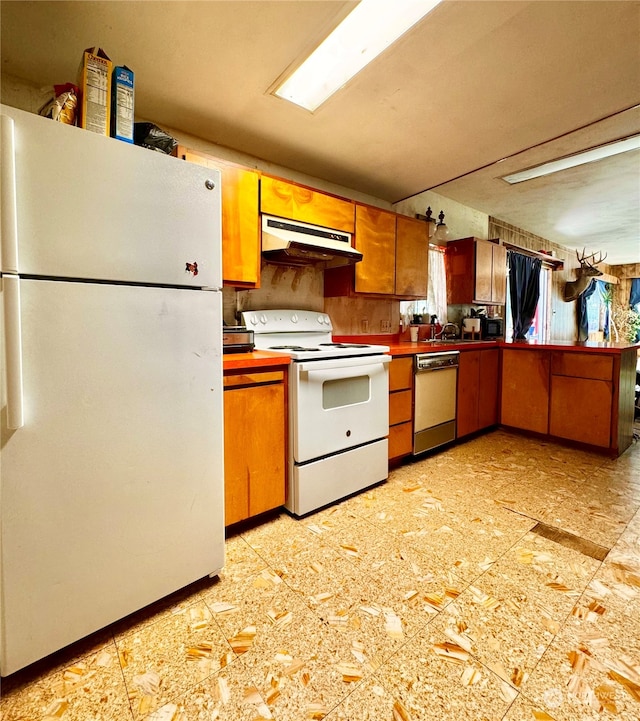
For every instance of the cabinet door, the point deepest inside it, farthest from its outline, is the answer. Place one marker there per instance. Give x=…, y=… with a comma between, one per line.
x=468, y=390
x=240, y=220
x=581, y=410
x=460, y=267
x=484, y=272
x=297, y=202
x=254, y=444
x=412, y=257
x=375, y=238
x=499, y=275
x=525, y=390
x=489, y=388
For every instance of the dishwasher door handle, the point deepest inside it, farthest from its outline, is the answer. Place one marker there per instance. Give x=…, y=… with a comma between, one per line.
x=437, y=368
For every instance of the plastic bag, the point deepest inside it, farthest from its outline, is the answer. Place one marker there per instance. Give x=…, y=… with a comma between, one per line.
x=151, y=136
x=62, y=105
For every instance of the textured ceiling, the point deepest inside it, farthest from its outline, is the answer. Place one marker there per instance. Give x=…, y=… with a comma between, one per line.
x=473, y=83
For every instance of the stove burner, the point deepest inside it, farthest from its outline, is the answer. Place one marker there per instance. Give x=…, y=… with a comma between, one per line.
x=292, y=347
x=346, y=345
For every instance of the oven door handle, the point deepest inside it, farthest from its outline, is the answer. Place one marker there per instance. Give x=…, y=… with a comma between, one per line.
x=361, y=363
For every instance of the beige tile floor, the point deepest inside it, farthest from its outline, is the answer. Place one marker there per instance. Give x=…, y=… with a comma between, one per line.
x=427, y=597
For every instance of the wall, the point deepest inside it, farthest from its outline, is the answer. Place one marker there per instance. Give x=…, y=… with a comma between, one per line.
x=563, y=325
x=303, y=288
x=462, y=221
x=281, y=286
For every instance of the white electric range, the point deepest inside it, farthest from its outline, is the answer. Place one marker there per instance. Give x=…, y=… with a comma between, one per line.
x=338, y=407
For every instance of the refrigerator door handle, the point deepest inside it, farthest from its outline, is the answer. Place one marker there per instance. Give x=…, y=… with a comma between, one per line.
x=13, y=350
x=9, y=208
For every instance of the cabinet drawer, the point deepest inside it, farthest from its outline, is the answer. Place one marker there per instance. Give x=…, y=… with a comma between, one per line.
x=399, y=407
x=401, y=373
x=401, y=440
x=251, y=379
x=297, y=202
x=582, y=365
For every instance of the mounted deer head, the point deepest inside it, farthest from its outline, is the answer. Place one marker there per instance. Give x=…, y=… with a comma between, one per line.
x=587, y=270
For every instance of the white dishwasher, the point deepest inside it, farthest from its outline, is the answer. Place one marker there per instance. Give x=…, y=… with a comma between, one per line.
x=434, y=420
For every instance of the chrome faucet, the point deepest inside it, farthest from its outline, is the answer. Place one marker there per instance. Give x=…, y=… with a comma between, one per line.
x=446, y=333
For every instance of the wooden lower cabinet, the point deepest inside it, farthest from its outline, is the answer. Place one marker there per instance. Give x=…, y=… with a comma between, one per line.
x=525, y=389
x=254, y=443
x=401, y=407
x=582, y=394
x=468, y=390
x=478, y=390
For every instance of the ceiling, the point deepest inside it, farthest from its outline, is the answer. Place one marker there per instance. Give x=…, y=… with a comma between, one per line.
x=473, y=83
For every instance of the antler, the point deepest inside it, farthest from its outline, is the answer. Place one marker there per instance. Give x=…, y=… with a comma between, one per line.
x=584, y=259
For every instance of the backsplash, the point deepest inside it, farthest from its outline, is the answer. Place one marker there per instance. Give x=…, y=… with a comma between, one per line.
x=363, y=316
x=282, y=286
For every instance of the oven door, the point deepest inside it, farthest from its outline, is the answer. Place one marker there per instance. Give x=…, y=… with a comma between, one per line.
x=337, y=404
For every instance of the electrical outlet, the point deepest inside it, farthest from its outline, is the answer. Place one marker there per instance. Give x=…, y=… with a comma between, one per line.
x=364, y=325
x=385, y=326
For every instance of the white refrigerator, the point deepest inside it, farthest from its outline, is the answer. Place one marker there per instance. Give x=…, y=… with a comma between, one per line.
x=111, y=457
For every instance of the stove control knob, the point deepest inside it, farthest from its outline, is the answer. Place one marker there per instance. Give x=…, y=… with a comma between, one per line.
x=320, y=319
x=294, y=318
x=327, y=320
x=253, y=320
x=263, y=319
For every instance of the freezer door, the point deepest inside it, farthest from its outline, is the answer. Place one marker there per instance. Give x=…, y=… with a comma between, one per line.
x=80, y=205
x=112, y=491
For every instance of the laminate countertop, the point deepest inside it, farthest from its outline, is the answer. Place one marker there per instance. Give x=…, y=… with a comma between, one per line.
x=255, y=359
x=266, y=359
x=399, y=347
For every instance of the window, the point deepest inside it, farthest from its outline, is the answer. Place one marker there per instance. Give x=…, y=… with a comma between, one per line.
x=598, y=313
x=436, y=301
x=540, y=326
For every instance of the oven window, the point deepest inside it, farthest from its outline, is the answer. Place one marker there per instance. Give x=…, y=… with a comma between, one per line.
x=345, y=392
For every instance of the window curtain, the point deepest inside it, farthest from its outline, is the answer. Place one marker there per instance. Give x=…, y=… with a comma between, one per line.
x=634, y=299
x=581, y=310
x=437, y=285
x=524, y=291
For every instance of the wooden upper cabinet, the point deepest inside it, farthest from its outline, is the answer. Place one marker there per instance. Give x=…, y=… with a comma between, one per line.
x=476, y=272
x=412, y=257
x=375, y=235
x=484, y=271
x=240, y=219
x=298, y=202
x=395, y=251
x=499, y=275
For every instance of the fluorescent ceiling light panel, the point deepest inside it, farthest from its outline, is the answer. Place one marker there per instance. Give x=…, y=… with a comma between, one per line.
x=571, y=161
x=369, y=29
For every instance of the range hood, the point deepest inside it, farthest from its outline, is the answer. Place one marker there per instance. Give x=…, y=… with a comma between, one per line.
x=295, y=243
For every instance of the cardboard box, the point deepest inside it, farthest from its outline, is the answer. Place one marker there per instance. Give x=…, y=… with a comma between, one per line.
x=122, y=99
x=95, y=91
